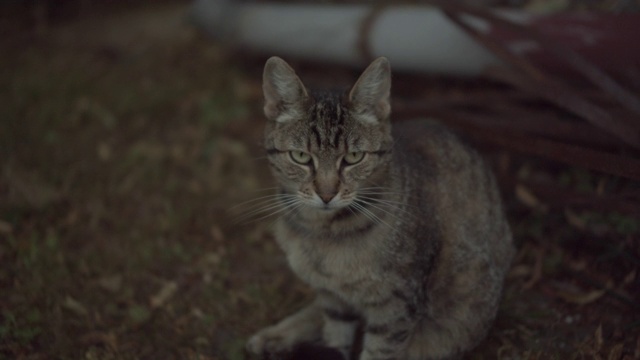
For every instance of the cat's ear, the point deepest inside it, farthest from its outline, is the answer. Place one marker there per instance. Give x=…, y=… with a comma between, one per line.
x=369, y=97
x=284, y=94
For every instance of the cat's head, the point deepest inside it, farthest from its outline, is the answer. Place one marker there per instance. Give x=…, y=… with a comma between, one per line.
x=325, y=147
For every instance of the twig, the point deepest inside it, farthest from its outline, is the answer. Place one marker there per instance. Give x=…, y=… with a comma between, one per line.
x=577, y=62
x=571, y=101
x=576, y=155
x=532, y=79
x=508, y=116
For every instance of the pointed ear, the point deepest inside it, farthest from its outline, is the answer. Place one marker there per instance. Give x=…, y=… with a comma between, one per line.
x=369, y=97
x=284, y=94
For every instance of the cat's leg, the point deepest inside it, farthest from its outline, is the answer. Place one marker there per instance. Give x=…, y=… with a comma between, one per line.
x=305, y=326
x=340, y=324
x=389, y=326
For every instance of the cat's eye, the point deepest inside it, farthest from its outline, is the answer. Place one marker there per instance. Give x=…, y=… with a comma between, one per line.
x=300, y=157
x=353, y=157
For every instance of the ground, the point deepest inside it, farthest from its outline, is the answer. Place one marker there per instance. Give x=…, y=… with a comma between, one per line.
x=126, y=141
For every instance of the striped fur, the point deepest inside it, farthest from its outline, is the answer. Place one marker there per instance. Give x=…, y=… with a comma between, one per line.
x=410, y=243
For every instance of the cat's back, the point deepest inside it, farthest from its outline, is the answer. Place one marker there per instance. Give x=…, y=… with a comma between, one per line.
x=442, y=168
x=461, y=212
x=454, y=186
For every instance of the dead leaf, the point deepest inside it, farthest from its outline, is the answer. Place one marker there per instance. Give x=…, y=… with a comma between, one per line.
x=519, y=271
x=111, y=283
x=163, y=295
x=217, y=234
x=574, y=220
x=197, y=313
x=74, y=306
x=616, y=352
x=629, y=278
x=581, y=298
x=537, y=270
x=213, y=258
x=100, y=338
x=104, y=151
x=28, y=189
x=528, y=198
x=5, y=228
x=598, y=339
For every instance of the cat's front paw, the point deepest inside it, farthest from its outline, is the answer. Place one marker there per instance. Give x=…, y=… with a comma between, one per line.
x=268, y=342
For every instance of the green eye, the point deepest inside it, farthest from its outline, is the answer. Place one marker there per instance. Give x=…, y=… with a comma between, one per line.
x=353, y=157
x=300, y=157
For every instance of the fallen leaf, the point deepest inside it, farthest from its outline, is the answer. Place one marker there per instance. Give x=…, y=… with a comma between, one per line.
x=111, y=283
x=100, y=338
x=217, y=234
x=519, y=271
x=616, y=352
x=104, y=151
x=629, y=278
x=197, y=313
x=537, y=270
x=163, y=295
x=74, y=306
x=527, y=197
x=212, y=258
x=574, y=220
x=5, y=228
x=581, y=298
x=598, y=339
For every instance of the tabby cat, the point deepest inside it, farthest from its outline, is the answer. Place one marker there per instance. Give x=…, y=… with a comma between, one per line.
x=400, y=232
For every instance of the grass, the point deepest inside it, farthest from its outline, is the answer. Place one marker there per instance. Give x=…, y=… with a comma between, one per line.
x=111, y=191
x=120, y=161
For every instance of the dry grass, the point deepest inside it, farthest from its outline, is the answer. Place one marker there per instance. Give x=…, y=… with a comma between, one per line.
x=125, y=140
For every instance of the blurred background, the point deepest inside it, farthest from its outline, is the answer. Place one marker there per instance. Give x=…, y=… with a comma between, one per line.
x=131, y=130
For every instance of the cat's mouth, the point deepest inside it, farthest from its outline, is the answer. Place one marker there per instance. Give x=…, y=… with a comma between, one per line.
x=329, y=207
x=326, y=207
x=336, y=203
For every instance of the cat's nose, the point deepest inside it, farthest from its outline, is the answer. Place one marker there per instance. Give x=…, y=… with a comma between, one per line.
x=326, y=197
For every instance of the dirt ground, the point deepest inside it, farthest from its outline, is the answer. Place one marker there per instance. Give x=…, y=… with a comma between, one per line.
x=127, y=138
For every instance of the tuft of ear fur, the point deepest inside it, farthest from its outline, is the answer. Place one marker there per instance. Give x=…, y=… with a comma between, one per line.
x=284, y=94
x=369, y=97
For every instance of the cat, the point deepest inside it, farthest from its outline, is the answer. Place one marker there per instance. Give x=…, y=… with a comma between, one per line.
x=399, y=230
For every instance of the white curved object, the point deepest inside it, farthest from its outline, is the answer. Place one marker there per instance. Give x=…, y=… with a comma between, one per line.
x=414, y=38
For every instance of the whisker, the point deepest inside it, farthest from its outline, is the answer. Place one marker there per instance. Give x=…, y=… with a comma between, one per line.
x=272, y=204
x=295, y=204
x=394, y=216
x=267, y=189
x=372, y=214
x=385, y=201
x=261, y=198
x=379, y=208
x=293, y=208
x=267, y=206
x=385, y=189
x=397, y=205
x=379, y=220
x=362, y=210
x=403, y=195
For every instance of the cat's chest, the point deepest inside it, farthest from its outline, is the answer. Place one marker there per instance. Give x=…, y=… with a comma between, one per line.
x=347, y=269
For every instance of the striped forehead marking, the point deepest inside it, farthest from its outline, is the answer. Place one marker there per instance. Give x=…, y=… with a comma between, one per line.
x=327, y=121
